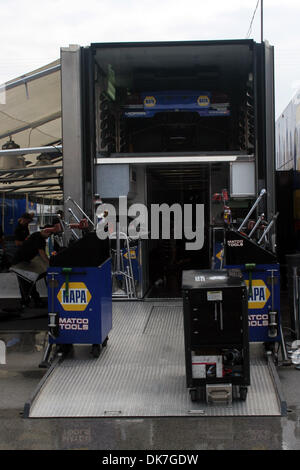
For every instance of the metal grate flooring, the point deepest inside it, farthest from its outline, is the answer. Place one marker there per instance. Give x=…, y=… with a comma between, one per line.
x=141, y=373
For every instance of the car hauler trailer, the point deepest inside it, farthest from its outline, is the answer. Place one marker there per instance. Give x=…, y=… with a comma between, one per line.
x=152, y=124
x=171, y=122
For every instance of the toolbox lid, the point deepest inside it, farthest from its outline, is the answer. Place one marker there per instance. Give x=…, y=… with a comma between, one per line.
x=211, y=278
x=239, y=249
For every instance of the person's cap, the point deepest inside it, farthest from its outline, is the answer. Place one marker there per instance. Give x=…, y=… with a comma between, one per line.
x=27, y=216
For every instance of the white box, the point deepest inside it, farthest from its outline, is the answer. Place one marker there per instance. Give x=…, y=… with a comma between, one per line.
x=201, y=364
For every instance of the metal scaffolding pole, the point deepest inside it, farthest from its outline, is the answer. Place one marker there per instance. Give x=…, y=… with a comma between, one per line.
x=30, y=150
x=13, y=180
x=27, y=187
x=32, y=125
x=45, y=191
x=30, y=169
x=30, y=78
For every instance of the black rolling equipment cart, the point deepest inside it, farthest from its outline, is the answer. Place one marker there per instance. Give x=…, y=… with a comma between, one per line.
x=215, y=307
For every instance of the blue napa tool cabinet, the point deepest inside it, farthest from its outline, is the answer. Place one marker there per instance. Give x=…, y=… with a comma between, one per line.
x=261, y=273
x=263, y=284
x=80, y=305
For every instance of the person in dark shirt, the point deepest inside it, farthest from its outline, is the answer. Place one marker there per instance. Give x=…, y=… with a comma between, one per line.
x=56, y=221
x=34, y=246
x=22, y=230
x=57, y=240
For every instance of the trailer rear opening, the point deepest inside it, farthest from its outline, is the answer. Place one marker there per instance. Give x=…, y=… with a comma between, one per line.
x=175, y=98
x=169, y=257
x=164, y=124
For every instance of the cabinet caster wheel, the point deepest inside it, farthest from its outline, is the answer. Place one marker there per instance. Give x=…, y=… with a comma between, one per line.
x=64, y=349
x=96, y=349
x=243, y=393
x=104, y=344
x=194, y=394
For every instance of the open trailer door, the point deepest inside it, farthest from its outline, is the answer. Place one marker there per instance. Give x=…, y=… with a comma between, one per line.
x=78, y=124
x=266, y=123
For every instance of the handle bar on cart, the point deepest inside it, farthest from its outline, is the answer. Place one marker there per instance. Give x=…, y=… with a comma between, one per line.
x=268, y=228
x=262, y=193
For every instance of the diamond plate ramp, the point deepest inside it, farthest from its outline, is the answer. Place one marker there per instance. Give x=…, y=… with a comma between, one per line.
x=141, y=373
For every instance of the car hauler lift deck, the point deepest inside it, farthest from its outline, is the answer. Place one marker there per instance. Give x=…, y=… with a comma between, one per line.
x=164, y=123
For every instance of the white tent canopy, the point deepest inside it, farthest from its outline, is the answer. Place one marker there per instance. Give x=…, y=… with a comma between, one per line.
x=30, y=115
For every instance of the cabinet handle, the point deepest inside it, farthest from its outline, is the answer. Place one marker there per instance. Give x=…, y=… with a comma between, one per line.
x=221, y=316
x=221, y=313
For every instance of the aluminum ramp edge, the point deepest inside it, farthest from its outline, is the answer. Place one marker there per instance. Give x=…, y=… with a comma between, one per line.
x=277, y=386
x=27, y=406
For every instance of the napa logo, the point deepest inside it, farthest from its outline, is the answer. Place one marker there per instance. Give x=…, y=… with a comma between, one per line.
x=75, y=298
x=132, y=254
x=258, y=294
x=149, y=101
x=203, y=101
x=219, y=255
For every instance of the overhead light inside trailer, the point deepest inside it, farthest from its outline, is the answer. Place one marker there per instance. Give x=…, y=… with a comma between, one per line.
x=167, y=159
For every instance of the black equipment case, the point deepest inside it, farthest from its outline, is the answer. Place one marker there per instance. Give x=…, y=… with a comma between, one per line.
x=215, y=308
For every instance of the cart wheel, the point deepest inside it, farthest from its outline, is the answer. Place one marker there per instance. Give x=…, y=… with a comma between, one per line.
x=194, y=394
x=96, y=349
x=105, y=342
x=243, y=393
x=64, y=348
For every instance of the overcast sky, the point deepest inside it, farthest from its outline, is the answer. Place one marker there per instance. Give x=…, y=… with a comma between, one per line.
x=33, y=31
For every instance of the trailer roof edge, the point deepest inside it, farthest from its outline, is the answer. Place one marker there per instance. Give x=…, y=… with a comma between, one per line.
x=172, y=43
